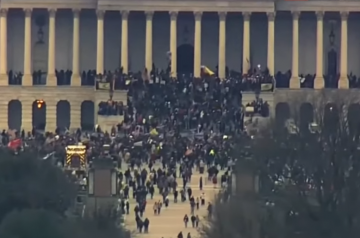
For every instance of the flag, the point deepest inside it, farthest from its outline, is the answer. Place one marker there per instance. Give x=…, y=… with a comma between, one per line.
x=205, y=70
x=154, y=132
x=104, y=86
x=265, y=87
x=14, y=144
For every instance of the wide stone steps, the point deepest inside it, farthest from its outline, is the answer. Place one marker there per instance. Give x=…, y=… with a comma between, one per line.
x=170, y=221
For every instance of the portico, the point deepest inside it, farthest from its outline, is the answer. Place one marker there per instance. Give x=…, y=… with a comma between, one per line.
x=125, y=9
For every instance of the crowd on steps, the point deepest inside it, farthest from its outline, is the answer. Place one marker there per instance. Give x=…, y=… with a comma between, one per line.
x=174, y=148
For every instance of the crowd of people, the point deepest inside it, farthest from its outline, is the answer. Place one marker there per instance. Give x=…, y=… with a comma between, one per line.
x=165, y=169
x=182, y=124
x=111, y=108
x=254, y=80
x=257, y=107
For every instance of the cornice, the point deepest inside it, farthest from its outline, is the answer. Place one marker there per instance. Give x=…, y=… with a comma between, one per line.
x=313, y=6
x=56, y=4
x=187, y=5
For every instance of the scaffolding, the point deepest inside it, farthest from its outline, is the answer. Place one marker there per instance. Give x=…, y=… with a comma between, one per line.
x=76, y=158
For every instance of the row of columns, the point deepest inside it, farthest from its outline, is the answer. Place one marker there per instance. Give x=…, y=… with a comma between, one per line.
x=295, y=81
x=197, y=42
x=319, y=79
x=51, y=79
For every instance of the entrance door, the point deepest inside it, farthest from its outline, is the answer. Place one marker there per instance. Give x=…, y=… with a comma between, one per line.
x=185, y=59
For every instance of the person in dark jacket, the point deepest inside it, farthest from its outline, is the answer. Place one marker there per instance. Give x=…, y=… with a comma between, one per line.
x=186, y=220
x=146, y=225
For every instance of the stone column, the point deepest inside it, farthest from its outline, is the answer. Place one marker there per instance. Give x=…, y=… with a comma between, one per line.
x=246, y=43
x=51, y=115
x=319, y=79
x=27, y=114
x=4, y=81
x=100, y=42
x=27, y=78
x=197, y=45
x=271, y=43
x=75, y=114
x=51, y=78
x=222, y=45
x=173, y=43
x=344, y=81
x=148, y=41
x=295, y=80
x=124, y=41
x=4, y=119
x=76, y=78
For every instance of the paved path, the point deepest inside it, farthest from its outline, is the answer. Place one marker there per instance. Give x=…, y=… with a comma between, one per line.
x=170, y=222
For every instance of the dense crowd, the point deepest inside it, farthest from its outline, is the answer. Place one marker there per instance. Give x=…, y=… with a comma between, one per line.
x=254, y=80
x=249, y=82
x=111, y=108
x=175, y=127
x=185, y=101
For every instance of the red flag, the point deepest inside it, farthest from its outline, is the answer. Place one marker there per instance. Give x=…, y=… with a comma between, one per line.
x=14, y=144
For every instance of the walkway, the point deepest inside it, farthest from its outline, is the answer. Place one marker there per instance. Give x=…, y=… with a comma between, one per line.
x=170, y=222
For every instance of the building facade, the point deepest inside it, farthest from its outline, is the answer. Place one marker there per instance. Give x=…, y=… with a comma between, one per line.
x=100, y=35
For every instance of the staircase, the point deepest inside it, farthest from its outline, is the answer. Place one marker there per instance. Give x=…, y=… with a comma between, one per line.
x=170, y=222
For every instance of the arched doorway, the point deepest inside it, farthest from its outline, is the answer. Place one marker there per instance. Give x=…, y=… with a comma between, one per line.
x=306, y=116
x=87, y=115
x=354, y=118
x=39, y=115
x=63, y=114
x=185, y=59
x=331, y=118
x=282, y=113
x=14, y=114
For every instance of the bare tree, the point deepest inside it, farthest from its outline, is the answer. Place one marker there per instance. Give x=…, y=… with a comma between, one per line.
x=309, y=178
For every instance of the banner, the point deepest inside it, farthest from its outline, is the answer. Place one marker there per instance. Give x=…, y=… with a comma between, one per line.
x=266, y=87
x=103, y=85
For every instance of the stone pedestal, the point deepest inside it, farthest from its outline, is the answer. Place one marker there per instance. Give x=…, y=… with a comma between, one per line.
x=76, y=80
x=295, y=83
x=343, y=83
x=51, y=80
x=319, y=83
x=4, y=80
x=27, y=80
